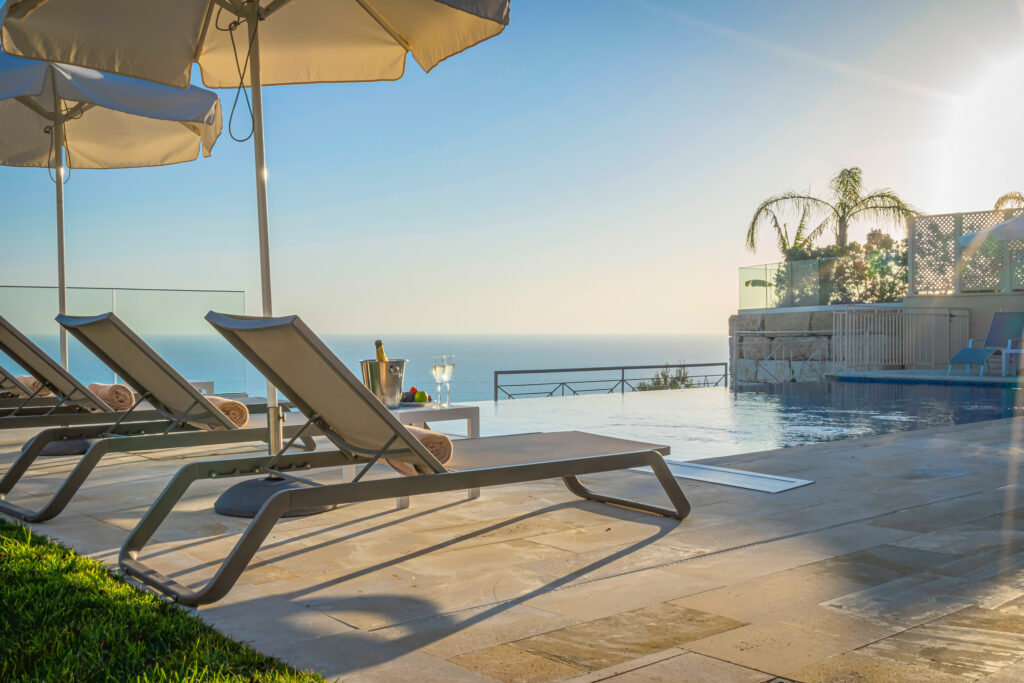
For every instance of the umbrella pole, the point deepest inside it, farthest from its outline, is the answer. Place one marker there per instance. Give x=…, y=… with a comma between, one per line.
x=274, y=418
x=58, y=143
x=247, y=498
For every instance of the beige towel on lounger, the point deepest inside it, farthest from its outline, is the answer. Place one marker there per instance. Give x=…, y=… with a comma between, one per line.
x=235, y=411
x=34, y=385
x=439, y=445
x=117, y=396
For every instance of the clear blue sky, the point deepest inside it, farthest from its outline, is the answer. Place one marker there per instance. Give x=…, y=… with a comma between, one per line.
x=590, y=170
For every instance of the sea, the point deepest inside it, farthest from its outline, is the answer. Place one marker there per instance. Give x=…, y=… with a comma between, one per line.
x=208, y=358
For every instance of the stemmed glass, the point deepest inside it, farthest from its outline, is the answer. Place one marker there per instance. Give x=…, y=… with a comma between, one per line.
x=449, y=368
x=438, y=372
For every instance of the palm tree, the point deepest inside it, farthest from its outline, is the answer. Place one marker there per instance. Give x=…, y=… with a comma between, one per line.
x=849, y=203
x=1010, y=200
x=802, y=238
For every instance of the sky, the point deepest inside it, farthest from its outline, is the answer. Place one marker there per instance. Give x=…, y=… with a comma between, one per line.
x=591, y=170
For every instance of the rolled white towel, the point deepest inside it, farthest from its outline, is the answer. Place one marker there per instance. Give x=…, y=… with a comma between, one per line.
x=35, y=385
x=117, y=396
x=439, y=446
x=235, y=411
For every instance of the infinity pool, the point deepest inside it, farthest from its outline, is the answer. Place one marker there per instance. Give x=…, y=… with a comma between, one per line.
x=704, y=423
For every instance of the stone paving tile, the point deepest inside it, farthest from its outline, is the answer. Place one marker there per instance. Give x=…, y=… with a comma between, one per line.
x=623, y=593
x=999, y=619
x=942, y=514
x=451, y=635
x=883, y=563
x=907, y=601
x=692, y=668
x=860, y=666
x=1013, y=673
x=515, y=665
x=967, y=652
x=610, y=640
x=795, y=641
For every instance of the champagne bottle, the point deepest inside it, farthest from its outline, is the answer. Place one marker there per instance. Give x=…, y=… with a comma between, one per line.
x=381, y=356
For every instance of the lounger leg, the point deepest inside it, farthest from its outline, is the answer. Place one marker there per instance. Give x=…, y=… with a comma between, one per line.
x=402, y=503
x=668, y=482
x=34, y=448
x=247, y=545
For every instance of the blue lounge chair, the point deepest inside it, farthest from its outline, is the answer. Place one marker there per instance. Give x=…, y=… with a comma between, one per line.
x=1004, y=337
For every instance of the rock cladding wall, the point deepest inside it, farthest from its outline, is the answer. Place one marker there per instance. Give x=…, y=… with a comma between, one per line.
x=783, y=347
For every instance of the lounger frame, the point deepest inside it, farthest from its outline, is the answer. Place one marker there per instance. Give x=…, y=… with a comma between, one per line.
x=179, y=427
x=315, y=495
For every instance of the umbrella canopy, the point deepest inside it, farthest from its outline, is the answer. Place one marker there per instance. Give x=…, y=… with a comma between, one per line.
x=60, y=116
x=302, y=41
x=1007, y=231
x=109, y=121
x=284, y=42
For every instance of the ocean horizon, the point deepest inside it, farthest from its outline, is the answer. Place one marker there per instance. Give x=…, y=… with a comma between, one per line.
x=208, y=357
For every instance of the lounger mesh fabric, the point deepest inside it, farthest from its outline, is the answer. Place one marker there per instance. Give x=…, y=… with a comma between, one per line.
x=142, y=368
x=45, y=369
x=314, y=379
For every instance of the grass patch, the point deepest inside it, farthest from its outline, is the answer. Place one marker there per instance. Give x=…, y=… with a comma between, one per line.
x=64, y=617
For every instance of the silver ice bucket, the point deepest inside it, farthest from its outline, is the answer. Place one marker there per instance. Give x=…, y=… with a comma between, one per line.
x=384, y=379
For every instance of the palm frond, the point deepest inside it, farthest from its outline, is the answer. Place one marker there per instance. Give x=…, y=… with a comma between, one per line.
x=1010, y=200
x=884, y=206
x=766, y=212
x=847, y=186
x=813, y=235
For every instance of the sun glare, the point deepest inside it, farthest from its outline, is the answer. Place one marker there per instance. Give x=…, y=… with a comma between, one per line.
x=984, y=152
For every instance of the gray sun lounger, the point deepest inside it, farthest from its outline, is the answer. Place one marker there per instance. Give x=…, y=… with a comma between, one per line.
x=1004, y=337
x=188, y=419
x=74, y=405
x=364, y=431
x=13, y=393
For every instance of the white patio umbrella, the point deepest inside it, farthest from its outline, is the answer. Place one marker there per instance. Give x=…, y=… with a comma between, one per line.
x=1007, y=231
x=58, y=116
x=284, y=42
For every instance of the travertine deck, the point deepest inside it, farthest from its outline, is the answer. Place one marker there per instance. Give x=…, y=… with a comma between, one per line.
x=905, y=561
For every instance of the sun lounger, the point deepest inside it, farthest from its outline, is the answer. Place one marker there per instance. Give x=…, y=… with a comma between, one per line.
x=74, y=403
x=14, y=393
x=363, y=432
x=1004, y=338
x=188, y=419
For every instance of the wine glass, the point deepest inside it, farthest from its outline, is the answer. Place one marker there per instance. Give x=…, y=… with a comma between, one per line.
x=449, y=368
x=438, y=372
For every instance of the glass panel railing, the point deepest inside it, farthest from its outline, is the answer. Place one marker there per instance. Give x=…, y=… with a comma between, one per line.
x=171, y=321
x=874, y=277
x=757, y=286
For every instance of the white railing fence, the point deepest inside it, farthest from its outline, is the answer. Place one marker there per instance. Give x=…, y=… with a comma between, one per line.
x=897, y=338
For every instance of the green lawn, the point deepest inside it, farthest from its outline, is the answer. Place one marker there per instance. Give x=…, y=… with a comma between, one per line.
x=64, y=617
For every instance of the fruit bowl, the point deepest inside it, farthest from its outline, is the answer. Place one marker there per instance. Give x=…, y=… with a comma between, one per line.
x=415, y=397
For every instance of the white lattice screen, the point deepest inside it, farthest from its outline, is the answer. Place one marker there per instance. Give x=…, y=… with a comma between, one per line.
x=934, y=254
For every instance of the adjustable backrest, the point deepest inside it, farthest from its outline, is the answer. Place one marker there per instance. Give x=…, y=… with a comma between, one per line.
x=294, y=359
x=143, y=369
x=1004, y=327
x=11, y=384
x=45, y=369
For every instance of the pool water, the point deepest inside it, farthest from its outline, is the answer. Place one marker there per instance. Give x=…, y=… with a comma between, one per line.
x=705, y=423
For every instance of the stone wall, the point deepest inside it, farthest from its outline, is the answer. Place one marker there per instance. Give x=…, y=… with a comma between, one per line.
x=790, y=346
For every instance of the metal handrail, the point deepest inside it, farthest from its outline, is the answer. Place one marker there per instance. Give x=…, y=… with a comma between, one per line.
x=621, y=384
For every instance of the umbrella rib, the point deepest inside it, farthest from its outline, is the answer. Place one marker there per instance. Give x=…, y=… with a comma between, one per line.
x=34, y=106
x=385, y=25
x=274, y=6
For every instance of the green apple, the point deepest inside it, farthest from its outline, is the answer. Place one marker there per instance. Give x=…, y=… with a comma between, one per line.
x=421, y=397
